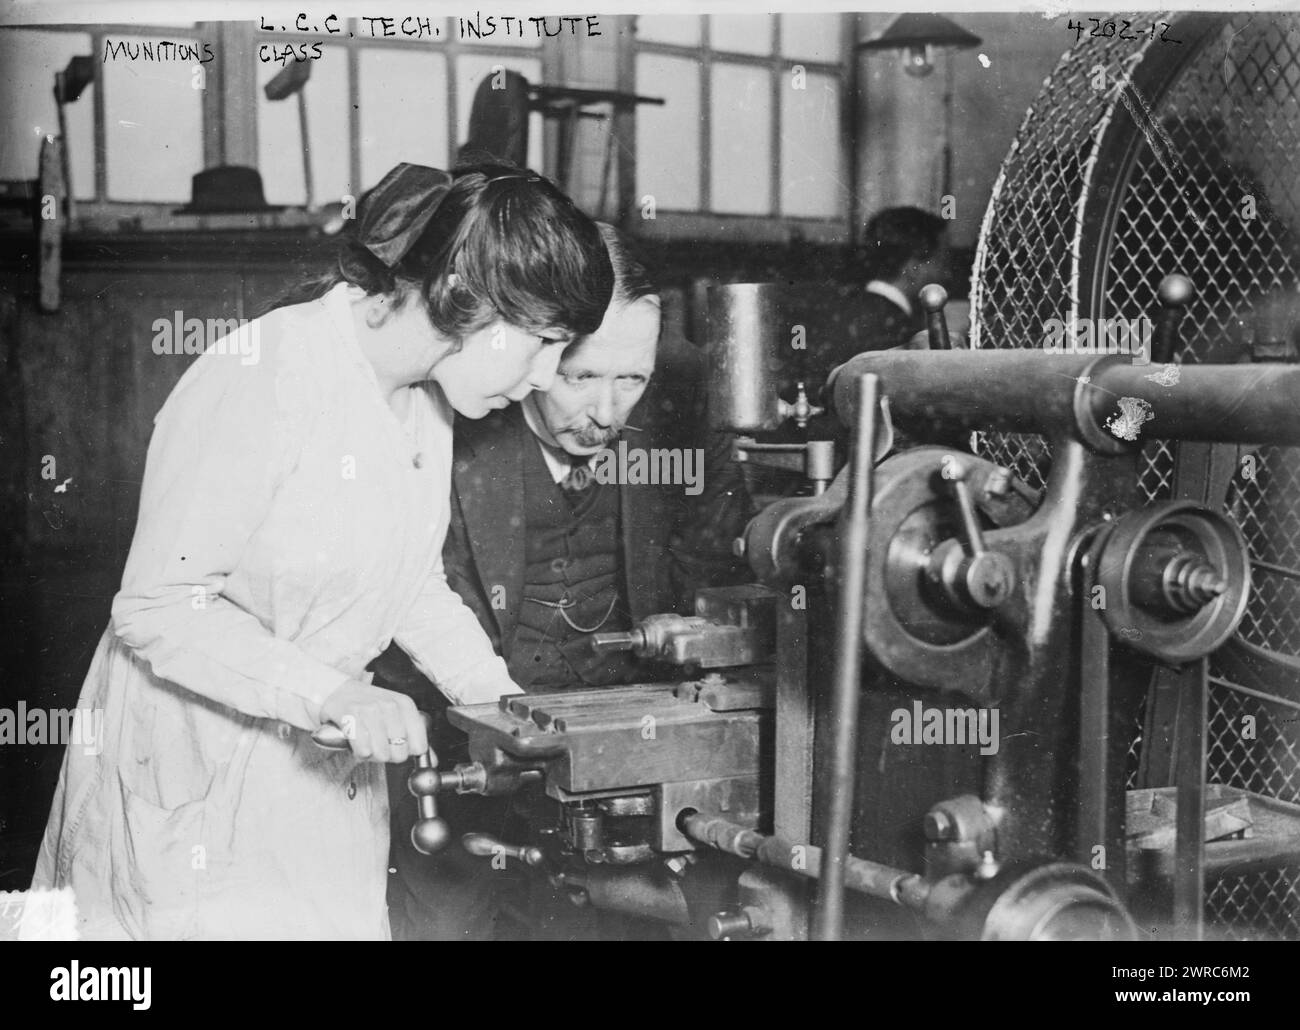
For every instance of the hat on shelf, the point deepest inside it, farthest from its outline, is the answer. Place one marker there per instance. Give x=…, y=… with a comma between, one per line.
x=227, y=190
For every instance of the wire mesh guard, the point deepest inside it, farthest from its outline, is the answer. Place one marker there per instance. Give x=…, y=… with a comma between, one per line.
x=1212, y=193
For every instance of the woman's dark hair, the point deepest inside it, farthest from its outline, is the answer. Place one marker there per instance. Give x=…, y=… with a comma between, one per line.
x=631, y=279
x=520, y=250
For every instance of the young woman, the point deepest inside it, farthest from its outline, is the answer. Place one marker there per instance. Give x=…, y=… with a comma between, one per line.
x=291, y=525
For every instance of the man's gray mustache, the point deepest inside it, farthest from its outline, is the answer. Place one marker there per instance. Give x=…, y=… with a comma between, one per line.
x=590, y=436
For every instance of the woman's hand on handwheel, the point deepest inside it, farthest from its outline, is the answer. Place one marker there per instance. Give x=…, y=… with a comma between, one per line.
x=380, y=725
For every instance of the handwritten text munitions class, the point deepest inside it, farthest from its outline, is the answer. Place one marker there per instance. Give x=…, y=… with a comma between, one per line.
x=480, y=26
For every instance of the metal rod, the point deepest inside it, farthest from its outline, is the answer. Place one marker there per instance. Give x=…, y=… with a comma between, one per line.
x=966, y=506
x=946, y=185
x=793, y=762
x=1029, y=391
x=1097, y=822
x=860, y=875
x=306, y=149
x=69, y=203
x=828, y=917
x=1279, y=570
x=1189, y=776
x=606, y=167
x=1225, y=858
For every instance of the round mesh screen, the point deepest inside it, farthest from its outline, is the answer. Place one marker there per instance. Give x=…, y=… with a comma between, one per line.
x=1143, y=157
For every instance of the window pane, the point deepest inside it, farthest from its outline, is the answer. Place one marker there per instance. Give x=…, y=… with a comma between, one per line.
x=741, y=120
x=668, y=137
x=678, y=29
x=403, y=100
x=153, y=123
x=279, y=146
x=811, y=183
x=815, y=37
x=30, y=60
x=743, y=33
x=471, y=69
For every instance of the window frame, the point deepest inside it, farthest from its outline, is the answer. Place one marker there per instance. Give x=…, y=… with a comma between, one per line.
x=100, y=203
x=229, y=121
x=674, y=223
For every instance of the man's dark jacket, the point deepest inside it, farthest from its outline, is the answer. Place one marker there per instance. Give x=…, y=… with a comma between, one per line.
x=854, y=322
x=671, y=542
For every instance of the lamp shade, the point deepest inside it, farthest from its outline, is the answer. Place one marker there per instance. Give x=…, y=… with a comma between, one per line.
x=288, y=81
x=914, y=31
x=79, y=74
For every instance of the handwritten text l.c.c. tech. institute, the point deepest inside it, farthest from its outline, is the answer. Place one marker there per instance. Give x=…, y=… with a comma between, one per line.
x=479, y=26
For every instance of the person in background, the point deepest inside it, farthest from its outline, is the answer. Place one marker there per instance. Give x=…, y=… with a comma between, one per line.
x=903, y=249
x=545, y=554
x=291, y=525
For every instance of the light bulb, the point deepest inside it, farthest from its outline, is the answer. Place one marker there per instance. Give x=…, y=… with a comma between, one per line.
x=917, y=62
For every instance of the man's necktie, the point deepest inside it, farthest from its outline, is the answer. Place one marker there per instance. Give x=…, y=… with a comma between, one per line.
x=579, y=476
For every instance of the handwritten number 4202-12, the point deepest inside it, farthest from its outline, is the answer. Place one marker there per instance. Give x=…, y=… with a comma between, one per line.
x=1107, y=29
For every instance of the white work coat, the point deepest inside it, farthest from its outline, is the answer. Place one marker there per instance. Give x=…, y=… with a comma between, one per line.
x=290, y=527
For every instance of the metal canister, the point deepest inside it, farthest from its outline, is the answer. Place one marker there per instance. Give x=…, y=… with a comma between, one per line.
x=744, y=334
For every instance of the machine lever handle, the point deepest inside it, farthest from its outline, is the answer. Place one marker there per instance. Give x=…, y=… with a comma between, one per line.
x=955, y=470
x=482, y=845
x=1174, y=294
x=933, y=298
x=979, y=577
x=430, y=833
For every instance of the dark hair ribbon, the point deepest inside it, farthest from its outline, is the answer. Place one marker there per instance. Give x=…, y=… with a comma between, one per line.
x=397, y=211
